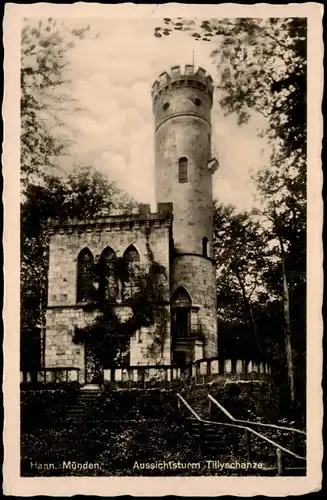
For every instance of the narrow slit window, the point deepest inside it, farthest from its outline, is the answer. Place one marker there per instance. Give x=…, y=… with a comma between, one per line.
x=205, y=247
x=183, y=169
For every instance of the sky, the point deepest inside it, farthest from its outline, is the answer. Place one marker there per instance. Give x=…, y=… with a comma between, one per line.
x=112, y=76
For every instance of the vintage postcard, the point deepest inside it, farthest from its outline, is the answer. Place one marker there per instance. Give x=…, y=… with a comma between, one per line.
x=163, y=250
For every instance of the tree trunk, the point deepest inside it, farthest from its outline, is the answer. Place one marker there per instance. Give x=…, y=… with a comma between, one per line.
x=249, y=308
x=287, y=321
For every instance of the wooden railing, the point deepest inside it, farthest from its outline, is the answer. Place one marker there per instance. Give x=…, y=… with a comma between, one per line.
x=248, y=430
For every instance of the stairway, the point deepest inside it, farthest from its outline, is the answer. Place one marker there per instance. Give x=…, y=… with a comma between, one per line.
x=85, y=405
x=225, y=444
x=211, y=439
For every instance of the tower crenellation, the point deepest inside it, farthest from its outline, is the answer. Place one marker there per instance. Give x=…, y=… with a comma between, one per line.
x=199, y=79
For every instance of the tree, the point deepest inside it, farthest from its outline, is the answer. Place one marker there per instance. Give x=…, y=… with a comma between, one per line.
x=45, y=93
x=45, y=47
x=261, y=65
x=241, y=260
x=285, y=217
x=85, y=194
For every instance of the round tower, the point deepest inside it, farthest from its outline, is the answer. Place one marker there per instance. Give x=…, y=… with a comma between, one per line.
x=184, y=165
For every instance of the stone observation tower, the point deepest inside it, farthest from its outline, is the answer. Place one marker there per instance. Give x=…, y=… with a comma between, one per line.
x=184, y=166
x=167, y=254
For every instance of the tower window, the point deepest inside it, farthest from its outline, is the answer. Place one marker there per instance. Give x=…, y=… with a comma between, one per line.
x=165, y=106
x=197, y=102
x=205, y=247
x=183, y=169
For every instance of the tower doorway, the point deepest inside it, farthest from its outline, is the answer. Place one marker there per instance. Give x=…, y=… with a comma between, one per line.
x=181, y=322
x=181, y=305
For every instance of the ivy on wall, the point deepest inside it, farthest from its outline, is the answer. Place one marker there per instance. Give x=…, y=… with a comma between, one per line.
x=110, y=335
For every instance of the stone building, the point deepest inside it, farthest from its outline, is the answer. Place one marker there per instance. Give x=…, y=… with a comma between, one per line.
x=170, y=249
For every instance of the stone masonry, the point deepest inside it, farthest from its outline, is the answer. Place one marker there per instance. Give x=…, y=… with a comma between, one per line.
x=178, y=237
x=149, y=233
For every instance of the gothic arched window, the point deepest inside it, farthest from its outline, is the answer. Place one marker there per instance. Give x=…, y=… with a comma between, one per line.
x=181, y=305
x=183, y=169
x=85, y=276
x=132, y=262
x=108, y=286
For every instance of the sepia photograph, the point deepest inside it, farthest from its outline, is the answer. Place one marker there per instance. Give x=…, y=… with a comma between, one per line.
x=163, y=211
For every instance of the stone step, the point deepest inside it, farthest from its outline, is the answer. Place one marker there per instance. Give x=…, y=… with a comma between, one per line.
x=84, y=404
x=90, y=388
x=87, y=396
x=81, y=408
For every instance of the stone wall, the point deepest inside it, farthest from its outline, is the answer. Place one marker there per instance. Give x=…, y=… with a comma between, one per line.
x=247, y=397
x=65, y=247
x=182, y=107
x=144, y=347
x=186, y=136
x=62, y=352
x=151, y=239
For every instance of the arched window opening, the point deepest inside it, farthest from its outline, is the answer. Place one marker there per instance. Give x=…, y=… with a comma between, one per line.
x=205, y=247
x=181, y=314
x=197, y=102
x=165, y=106
x=183, y=169
x=85, y=276
x=132, y=262
x=108, y=286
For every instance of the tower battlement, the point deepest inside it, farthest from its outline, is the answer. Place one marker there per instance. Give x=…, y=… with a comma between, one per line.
x=176, y=77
